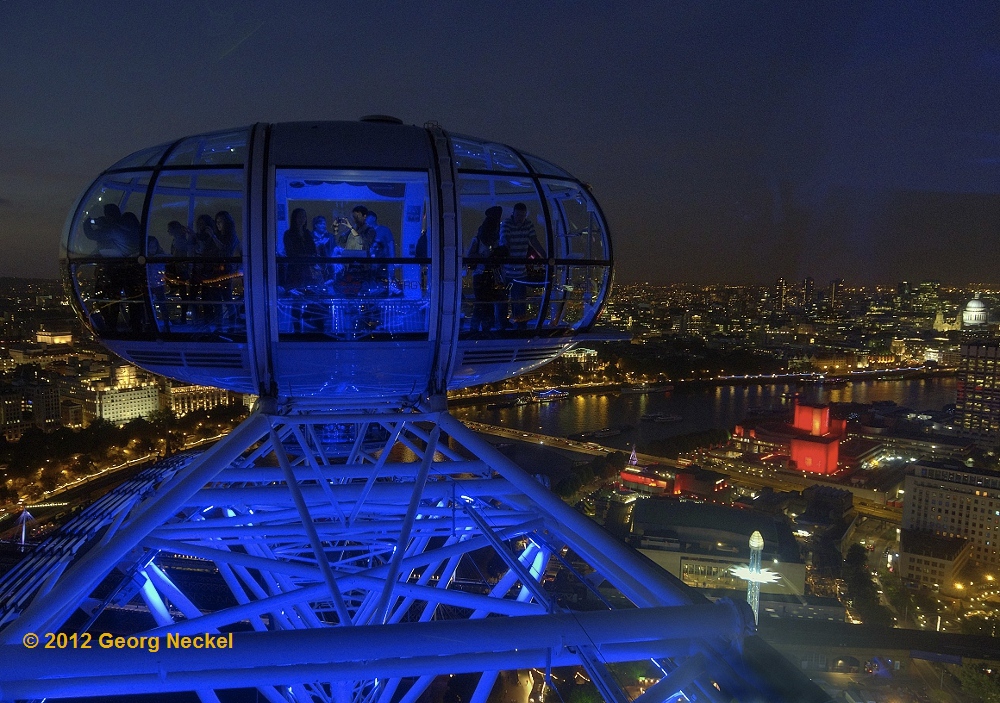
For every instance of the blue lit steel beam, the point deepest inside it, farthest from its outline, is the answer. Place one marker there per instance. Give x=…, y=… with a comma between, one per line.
x=357, y=557
x=275, y=658
x=405, y=559
x=80, y=579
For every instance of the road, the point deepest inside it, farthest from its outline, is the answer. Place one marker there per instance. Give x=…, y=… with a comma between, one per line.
x=64, y=498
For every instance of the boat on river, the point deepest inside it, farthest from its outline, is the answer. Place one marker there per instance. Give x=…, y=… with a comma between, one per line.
x=550, y=395
x=661, y=417
x=602, y=433
x=509, y=402
x=646, y=388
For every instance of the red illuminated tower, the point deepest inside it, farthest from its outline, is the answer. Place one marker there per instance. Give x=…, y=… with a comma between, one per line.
x=815, y=447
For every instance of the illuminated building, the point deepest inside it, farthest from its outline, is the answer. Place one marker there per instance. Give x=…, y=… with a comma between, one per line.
x=917, y=445
x=975, y=316
x=11, y=413
x=812, y=441
x=644, y=479
x=949, y=499
x=699, y=483
x=119, y=405
x=182, y=398
x=43, y=398
x=585, y=358
x=815, y=447
x=941, y=326
x=931, y=560
x=71, y=413
x=977, y=403
x=42, y=354
x=116, y=395
x=50, y=337
x=834, y=293
x=700, y=543
x=927, y=299
x=350, y=519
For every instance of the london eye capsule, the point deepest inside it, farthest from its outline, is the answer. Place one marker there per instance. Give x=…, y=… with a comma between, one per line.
x=318, y=260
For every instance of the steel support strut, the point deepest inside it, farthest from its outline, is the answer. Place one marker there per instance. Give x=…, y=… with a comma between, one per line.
x=430, y=544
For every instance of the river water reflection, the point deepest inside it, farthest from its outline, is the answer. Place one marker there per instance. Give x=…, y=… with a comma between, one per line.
x=701, y=408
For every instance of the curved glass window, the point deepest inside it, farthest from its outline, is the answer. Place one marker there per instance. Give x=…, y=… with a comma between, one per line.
x=577, y=231
x=575, y=297
x=483, y=156
x=352, y=254
x=523, y=272
x=140, y=159
x=107, y=224
x=505, y=244
x=103, y=247
x=112, y=294
x=194, y=252
x=580, y=251
x=544, y=167
x=223, y=148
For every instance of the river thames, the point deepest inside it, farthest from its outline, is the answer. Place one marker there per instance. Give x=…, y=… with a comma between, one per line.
x=701, y=407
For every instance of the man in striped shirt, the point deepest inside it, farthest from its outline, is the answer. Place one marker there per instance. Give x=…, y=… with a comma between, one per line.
x=517, y=233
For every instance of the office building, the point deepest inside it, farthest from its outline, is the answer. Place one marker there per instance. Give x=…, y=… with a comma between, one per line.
x=930, y=560
x=949, y=499
x=808, y=292
x=780, y=295
x=182, y=398
x=977, y=402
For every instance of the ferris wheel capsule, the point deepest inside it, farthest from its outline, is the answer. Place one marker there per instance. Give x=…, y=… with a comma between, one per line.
x=310, y=260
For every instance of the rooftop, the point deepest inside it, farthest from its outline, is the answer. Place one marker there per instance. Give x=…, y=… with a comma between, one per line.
x=931, y=545
x=661, y=515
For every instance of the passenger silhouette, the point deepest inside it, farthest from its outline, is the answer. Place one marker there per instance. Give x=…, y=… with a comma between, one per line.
x=517, y=233
x=299, y=275
x=488, y=285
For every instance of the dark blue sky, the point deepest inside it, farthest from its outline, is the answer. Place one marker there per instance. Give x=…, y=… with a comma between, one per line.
x=731, y=142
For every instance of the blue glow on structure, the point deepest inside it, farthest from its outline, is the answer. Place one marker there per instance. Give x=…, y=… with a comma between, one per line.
x=364, y=571
x=157, y=257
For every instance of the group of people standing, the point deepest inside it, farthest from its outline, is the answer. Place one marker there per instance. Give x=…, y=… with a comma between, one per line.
x=118, y=281
x=204, y=275
x=498, y=257
x=360, y=237
x=193, y=285
x=199, y=282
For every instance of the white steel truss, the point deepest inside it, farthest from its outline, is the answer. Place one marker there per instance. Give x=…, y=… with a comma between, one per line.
x=359, y=556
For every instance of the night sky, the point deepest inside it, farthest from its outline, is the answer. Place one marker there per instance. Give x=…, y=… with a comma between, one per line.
x=726, y=141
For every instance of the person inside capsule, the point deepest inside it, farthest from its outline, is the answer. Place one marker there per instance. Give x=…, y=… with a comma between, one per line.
x=226, y=246
x=355, y=239
x=517, y=233
x=118, y=282
x=383, y=247
x=296, y=277
x=178, y=273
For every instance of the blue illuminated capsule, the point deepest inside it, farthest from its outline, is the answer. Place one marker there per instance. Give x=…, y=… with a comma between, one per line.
x=244, y=259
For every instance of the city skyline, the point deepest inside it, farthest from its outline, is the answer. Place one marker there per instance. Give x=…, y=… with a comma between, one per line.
x=357, y=453
x=858, y=387
x=737, y=144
